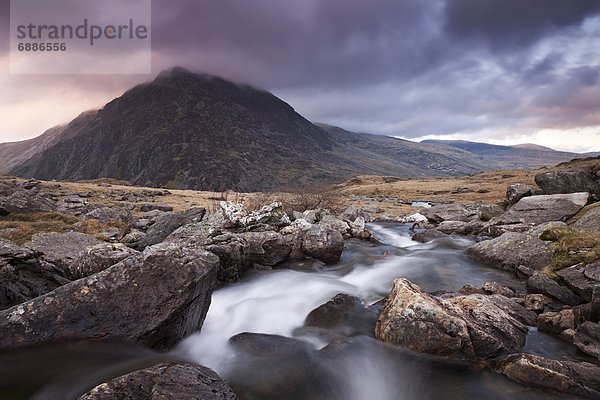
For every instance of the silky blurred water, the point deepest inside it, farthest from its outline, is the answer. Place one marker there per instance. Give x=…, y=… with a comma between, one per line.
x=277, y=302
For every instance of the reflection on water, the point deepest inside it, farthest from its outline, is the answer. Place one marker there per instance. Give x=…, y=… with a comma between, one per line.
x=277, y=302
x=64, y=371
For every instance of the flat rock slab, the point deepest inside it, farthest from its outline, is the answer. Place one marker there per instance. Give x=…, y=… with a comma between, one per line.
x=165, y=381
x=511, y=250
x=544, y=208
x=156, y=298
x=61, y=249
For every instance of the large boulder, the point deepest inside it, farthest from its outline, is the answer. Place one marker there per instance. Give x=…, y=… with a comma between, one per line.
x=578, y=378
x=540, y=283
x=539, y=209
x=463, y=327
x=582, y=278
x=23, y=276
x=98, y=258
x=449, y=212
x=156, y=298
x=165, y=381
x=511, y=250
x=168, y=223
x=61, y=249
x=323, y=243
x=568, y=182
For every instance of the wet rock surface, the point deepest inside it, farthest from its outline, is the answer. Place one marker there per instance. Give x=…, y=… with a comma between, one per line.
x=343, y=316
x=579, y=378
x=165, y=381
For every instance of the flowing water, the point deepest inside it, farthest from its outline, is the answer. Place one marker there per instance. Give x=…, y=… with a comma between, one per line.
x=279, y=358
x=301, y=363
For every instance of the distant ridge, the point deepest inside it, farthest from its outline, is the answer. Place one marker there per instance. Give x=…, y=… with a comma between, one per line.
x=527, y=155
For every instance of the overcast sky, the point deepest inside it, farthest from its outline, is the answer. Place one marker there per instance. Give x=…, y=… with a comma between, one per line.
x=500, y=71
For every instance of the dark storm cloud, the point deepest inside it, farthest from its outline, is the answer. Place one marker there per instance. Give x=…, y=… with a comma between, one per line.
x=316, y=43
x=514, y=23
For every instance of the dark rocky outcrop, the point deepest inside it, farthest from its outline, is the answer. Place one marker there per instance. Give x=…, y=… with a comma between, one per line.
x=155, y=298
x=569, y=182
x=168, y=223
x=165, y=381
x=61, y=249
x=23, y=276
x=464, y=327
x=579, y=378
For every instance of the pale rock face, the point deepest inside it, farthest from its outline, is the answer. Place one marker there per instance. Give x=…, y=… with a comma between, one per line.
x=414, y=218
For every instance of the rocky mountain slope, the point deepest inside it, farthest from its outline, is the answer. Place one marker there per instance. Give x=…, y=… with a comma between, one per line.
x=509, y=157
x=190, y=131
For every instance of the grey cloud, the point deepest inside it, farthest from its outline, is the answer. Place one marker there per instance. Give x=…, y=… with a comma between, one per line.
x=508, y=24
